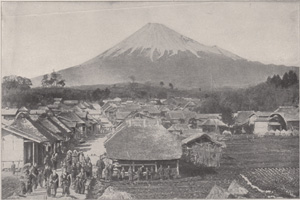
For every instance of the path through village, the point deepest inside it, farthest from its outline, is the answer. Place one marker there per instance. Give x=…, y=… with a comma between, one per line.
x=93, y=147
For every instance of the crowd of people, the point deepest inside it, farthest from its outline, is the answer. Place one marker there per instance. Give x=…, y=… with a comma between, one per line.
x=76, y=169
x=142, y=173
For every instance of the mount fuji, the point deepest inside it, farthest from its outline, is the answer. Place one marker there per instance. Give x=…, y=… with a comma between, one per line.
x=157, y=53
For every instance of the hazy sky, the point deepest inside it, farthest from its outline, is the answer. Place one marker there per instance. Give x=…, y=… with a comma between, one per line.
x=38, y=37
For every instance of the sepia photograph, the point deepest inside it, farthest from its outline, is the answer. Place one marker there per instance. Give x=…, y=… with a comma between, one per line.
x=150, y=100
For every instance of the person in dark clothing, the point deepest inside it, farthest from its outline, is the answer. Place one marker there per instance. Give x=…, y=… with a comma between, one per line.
x=23, y=185
x=100, y=166
x=123, y=173
x=53, y=183
x=47, y=172
x=69, y=158
x=75, y=157
x=78, y=167
x=152, y=173
x=160, y=172
x=47, y=161
x=40, y=178
x=147, y=173
x=28, y=181
x=167, y=172
x=130, y=173
x=89, y=169
x=13, y=168
x=65, y=179
x=106, y=173
x=35, y=173
x=54, y=160
x=139, y=173
x=73, y=172
x=81, y=182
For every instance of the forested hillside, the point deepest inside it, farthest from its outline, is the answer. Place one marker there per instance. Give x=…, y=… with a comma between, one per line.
x=275, y=91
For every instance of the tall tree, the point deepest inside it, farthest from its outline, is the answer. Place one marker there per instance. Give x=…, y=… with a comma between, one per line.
x=171, y=86
x=53, y=80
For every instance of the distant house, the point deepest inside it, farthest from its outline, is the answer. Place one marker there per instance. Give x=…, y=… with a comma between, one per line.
x=70, y=102
x=138, y=146
x=120, y=116
x=201, y=150
x=96, y=106
x=201, y=118
x=176, y=117
x=213, y=125
x=285, y=117
x=74, y=122
x=178, y=128
x=244, y=121
x=8, y=115
x=151, y=110
x=261, y=123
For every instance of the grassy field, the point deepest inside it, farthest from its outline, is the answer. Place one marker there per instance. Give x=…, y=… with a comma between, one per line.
x=270, y=151
x=271, y=163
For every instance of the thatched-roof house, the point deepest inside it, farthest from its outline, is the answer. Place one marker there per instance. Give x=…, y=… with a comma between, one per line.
x=202, y=150
x=285, y=117
x=148, y=146
x=213, y=125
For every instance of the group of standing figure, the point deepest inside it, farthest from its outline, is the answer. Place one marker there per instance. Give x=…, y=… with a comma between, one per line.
x=80, y=168
x=142, y=173
x=76, y=169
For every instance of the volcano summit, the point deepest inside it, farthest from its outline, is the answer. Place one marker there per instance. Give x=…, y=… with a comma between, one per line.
x=157, y=53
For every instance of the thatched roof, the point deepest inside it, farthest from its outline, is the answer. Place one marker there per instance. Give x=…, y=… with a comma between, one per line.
x=143, y=143
x=242, y=117
x=289, y=113
x=213, y=122
x=198, y=136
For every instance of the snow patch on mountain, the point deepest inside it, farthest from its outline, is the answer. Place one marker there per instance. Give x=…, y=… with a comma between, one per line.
x=154, y=37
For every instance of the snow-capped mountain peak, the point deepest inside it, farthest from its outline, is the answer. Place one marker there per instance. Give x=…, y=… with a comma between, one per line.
x=159, y=39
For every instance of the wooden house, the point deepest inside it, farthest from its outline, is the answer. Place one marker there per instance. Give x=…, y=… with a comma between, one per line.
x=74, y=122
x=147, y=146
x=285, y=117
x=201, y=150
x=176, y=117
x=213, y=125
x=244, y=122
x=21, y=147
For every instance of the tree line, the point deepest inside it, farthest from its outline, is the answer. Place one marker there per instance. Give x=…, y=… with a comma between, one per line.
x=267, y=96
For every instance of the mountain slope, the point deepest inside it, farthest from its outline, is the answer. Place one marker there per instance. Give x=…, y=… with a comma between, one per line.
x=156, y=53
